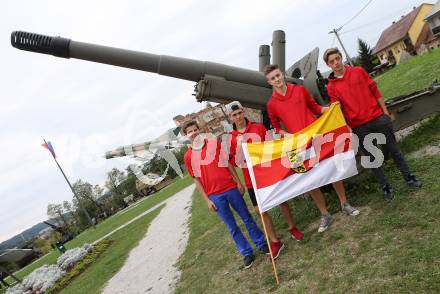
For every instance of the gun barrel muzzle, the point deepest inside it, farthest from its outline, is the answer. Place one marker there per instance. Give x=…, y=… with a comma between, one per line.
x=56, y=46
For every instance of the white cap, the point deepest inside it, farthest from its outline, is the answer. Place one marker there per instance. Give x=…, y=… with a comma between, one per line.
x=234, y=105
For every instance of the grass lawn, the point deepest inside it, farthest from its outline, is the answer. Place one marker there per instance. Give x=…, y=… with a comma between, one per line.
x=416, y=73
x=427, y=134
x=110, y=224
x=388, y=248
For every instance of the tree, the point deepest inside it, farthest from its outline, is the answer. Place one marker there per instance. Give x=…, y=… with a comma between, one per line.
x=56, y=212
x=117, y=187
x=45, y=245
x=97, y=192
x=73, y=217
x=129, y=185
x=366, y=58
x=67, y=206
x=115, y=178
x=88, y=195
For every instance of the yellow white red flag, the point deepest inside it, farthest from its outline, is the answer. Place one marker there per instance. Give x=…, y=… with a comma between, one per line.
x=316, y=156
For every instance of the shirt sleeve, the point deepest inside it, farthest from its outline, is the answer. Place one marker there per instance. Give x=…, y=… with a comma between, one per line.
x=332, y=93
x=187, y=159
x=233, y=150
x=311, y=103
x=371, y=84
x=274, y=119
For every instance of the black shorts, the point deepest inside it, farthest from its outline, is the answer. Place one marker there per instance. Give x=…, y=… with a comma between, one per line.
x=252, y=196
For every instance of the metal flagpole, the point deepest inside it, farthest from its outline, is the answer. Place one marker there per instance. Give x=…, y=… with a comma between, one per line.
x=270, y=249
x=73, y=190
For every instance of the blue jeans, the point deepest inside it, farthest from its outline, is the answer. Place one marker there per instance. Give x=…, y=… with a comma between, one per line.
x=233, y=198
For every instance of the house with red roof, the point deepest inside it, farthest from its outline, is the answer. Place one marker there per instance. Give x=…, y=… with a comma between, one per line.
x=403, y=35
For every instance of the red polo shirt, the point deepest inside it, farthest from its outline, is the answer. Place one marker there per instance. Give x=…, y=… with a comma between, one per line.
x=295, y=110
x=358, y=95
x=254, y=133
x=210, y=165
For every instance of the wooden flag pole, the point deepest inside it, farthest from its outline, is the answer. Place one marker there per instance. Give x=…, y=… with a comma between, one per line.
x=251, y=173
x=270, y=249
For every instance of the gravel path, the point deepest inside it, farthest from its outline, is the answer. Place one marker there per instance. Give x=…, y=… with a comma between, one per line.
x=150, y=266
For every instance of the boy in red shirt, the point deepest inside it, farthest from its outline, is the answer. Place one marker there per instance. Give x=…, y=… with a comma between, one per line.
x=218, y=183
x=293, y=106
x=366, y=113
x=247, y=131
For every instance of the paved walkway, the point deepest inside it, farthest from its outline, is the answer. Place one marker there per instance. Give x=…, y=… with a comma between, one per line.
x=150, y=266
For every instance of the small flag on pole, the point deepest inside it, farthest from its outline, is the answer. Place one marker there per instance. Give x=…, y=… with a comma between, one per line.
x=49, y=147
x=318, y=155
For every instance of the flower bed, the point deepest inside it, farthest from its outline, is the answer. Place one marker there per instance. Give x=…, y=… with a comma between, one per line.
x=80, y=266
x=70, y=257
x=45, y=277
x=38, y=281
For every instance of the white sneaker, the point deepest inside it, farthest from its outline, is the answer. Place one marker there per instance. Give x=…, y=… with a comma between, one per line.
x=326, y=221
x=349, y=210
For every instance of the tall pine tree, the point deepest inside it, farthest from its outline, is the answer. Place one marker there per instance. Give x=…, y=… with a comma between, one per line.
x=366, y=58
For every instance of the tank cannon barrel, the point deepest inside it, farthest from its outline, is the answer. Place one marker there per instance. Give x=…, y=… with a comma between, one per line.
x=181, y=68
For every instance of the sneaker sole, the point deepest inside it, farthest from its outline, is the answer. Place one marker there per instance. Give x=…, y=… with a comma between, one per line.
x=354, y=213
x=321, y=229
x=265, y=253
x=279, y=251
x=249, y=266
x=294, y=238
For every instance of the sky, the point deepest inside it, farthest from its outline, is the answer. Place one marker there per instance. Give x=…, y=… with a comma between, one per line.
x=86, y=109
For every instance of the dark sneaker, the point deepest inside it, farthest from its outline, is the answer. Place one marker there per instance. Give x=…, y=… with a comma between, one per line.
x=349, y=210
x=326, y=221
x=412, y=182
x=296, y=234
x=276, y=248
x=388, y=194
x=264, y=249
x=248, y=260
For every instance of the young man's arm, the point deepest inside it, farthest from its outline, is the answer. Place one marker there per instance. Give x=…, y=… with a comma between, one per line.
x=235, y=177
x=199, y=186
x=275, y=120
x=375, y=91
x=311, y=103
x=383, y=106
x=331, y=94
